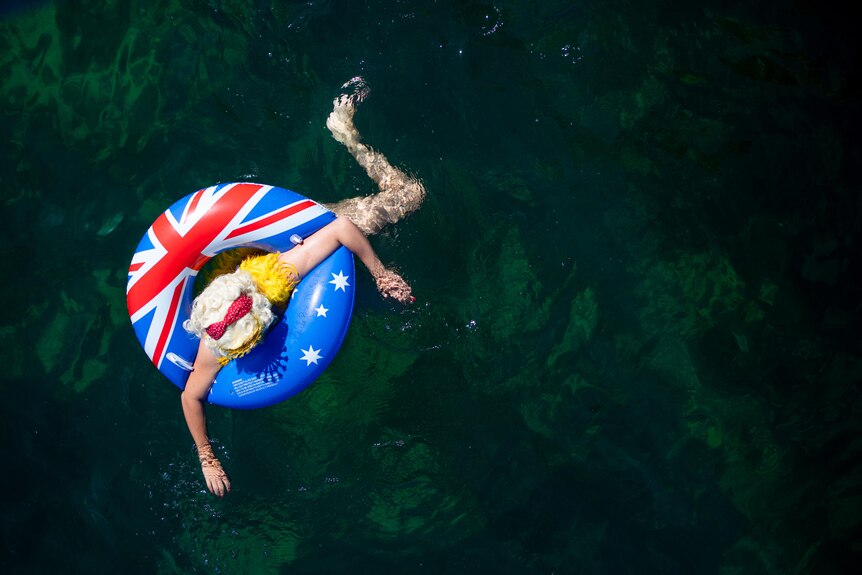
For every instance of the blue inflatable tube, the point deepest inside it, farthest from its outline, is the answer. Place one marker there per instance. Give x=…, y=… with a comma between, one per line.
x=297, y=349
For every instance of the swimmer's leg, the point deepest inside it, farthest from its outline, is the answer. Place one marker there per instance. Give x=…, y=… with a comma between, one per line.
x=400, y=195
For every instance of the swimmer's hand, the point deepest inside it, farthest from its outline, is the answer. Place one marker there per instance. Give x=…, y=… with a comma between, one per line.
x=216, y=478
x=391, y=285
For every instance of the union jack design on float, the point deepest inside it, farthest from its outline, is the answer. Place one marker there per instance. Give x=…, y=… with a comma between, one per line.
x=185, y=237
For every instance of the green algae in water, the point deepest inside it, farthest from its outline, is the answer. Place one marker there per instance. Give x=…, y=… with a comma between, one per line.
x=690, y=295
x=507, y=289
x=583, y=317
x=418, y=498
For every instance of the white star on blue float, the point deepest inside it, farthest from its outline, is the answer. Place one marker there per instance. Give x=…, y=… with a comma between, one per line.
x=321, y=311
x=310, y=356
x=340, y=281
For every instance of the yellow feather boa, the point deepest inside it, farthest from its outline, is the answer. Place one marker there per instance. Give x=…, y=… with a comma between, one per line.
x=274, y=278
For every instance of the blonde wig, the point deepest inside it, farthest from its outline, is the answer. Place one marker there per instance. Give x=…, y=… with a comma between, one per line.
x=212, y=305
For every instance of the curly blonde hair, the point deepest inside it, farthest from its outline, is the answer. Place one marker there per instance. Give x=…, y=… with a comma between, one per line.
x=212, y=305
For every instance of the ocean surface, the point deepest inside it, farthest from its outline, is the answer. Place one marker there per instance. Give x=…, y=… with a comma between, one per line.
x=635, y=347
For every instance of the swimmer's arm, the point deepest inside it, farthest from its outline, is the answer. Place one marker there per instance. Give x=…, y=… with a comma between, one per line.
x=343, y=232
x=194, y=395
x=193, y=400
x=319, y=245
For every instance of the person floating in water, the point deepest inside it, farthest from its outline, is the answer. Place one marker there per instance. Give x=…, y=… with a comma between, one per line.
x=231, y=315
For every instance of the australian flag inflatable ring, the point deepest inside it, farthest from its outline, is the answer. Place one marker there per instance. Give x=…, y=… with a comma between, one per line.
x=161, y=282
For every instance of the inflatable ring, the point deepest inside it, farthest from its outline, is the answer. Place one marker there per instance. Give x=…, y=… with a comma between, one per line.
x=161, y=282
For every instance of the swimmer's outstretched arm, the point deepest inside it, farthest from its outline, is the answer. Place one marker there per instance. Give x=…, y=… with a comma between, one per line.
x=343, y=232
x=193, y=399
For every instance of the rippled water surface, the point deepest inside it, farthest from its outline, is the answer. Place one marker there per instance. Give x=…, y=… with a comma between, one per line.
x=633, y=349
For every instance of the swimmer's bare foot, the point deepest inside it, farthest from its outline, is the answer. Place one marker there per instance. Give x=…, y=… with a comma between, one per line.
x=356, y=88
x=340, y=121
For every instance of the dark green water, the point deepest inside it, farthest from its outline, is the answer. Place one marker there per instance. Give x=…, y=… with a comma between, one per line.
x=635, y=348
